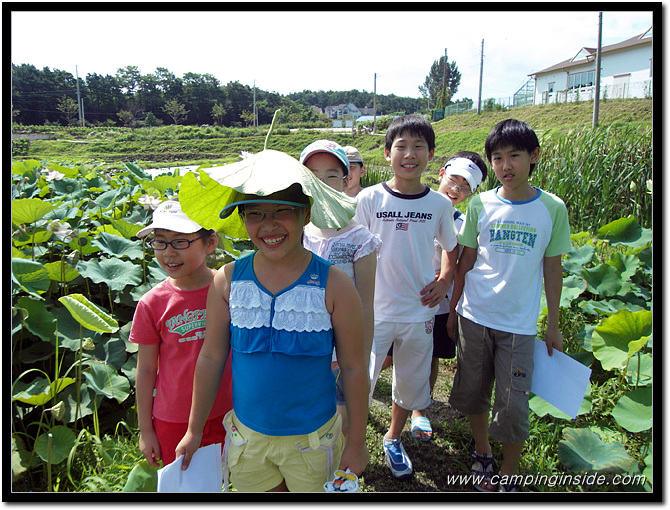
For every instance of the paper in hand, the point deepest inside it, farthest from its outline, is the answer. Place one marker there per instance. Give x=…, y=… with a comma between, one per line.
x=204, y=473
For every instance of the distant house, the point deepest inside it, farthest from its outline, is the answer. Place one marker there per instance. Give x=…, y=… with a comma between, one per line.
x=317, y=110
x=626, y=70
x=341, y=110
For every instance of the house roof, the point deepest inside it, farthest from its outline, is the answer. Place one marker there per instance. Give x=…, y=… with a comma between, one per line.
x=590, y=53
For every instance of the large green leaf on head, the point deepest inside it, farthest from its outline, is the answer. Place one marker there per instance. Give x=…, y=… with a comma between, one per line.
x=617, y=337
x=581, y=450
x=88, y=314
x=261, y=174
x=116, y=273
x=633, y=411
x=29, y=210
x=625, y=231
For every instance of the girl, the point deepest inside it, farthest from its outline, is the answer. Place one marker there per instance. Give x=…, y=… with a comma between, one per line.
x=281, y=310
x=169, y=326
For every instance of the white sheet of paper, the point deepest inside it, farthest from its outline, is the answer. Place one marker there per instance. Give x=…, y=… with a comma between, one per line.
x=559, y=379
x=204, y=473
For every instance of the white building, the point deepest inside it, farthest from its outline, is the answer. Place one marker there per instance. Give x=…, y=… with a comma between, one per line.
x=342, y=110
x=625, y=72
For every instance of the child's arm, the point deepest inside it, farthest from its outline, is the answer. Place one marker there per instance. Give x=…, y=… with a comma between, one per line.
x=553, y=285
x=364, y=274
x=145, y=380
x=210, y=364
x=347, y=317
x=436, y=291
x=465, y=263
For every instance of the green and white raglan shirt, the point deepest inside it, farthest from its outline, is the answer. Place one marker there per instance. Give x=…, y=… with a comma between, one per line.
x=503, y=289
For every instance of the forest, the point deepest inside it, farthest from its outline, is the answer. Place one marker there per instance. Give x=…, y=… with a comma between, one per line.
x=132, y=99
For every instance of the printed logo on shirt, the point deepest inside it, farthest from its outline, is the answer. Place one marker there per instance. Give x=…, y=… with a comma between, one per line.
x=411, y=215
x=314, y=280
x=429, y=326
x=402, y=226
x=513, y=237
x=187, y=321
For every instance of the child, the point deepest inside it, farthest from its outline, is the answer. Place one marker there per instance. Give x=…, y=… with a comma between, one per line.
x=353, y=248
x=356, y=171
x=459, y=179
x=169, y=326
x=513, y=236
x=408, y=216
x=281, y=310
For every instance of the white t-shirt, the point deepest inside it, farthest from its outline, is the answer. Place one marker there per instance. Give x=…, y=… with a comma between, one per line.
x=443, y=307
x=408, y=226
x=502, y=291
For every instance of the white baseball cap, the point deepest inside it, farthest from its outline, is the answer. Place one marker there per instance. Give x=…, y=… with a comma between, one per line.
x=169, y=216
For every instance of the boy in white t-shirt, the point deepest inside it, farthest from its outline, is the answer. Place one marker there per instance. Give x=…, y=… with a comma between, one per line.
x=513, y=237
x=408, y=216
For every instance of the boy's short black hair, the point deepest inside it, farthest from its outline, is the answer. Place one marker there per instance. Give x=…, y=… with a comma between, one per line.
x=475, y=158
x=413, y=124
x=511, y=133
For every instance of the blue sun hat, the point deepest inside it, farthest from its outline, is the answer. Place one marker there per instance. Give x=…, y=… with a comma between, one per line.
x=328, y=147
x=211, y=199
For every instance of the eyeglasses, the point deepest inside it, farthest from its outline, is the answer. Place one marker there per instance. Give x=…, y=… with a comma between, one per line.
x=331, y=180
x=177, y=244
x=283, y=212
x=465, y=190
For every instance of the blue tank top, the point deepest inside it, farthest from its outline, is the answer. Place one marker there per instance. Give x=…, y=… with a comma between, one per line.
x=282, y=345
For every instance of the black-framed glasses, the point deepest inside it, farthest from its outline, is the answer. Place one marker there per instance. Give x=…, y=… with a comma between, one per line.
x=461, y=189
x=282, y=212
x=177, y=244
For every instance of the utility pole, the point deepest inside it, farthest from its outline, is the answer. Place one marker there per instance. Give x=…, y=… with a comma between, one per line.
x=596, y=101
x=481, y=77
x=254, y=108
x=80, y=104
x=374, y=108
x=444, y=81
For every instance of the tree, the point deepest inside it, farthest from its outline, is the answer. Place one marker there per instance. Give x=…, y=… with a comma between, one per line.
x=68, y=107
x=441, y=83
x=129, y=77
x=218, y=113
x=176, y=110
x=247, y=117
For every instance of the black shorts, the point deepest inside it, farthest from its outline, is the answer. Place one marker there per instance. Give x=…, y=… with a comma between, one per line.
x=443, y=345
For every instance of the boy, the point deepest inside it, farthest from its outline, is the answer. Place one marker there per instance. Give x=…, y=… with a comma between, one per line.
x=408, y=216
x=356, y=171
x=513, y=236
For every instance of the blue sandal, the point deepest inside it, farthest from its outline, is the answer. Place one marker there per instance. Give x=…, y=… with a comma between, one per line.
x=422, y=424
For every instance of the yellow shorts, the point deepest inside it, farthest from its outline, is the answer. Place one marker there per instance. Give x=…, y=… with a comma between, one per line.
x=258, y=462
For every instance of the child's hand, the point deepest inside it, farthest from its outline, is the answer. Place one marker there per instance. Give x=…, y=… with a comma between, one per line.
x=451, y=325
x=355, y=459
x=553, y=339
x=188, y=445
x=150, y=448
x=433, y=293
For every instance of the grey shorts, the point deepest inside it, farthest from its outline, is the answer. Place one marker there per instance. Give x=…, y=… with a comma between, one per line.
x=486, y=355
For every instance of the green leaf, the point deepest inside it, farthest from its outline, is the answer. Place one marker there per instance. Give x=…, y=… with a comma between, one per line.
x=142, y=478
x=633, y=411
x=603, y=280
x=577, y=258
x=57, y=448
x=161, y=184
x=29, y=165
x=40, y=390
x=21, y=458
x=642, y=366
x=611, y=338
x=573, y=286
x=608, y=306
x=118, y=246
x=29, y=210
x=116, y=273
x=626, y=264
x=648, y=470
x=625, y=231
x=107, y=200
x=126, y=228
x=30, y=276
x=40, y=321
x=104, y=380
x=89, y=314
x=86, y=404
x=61, y=271
x=136, y=171
x=582, y=451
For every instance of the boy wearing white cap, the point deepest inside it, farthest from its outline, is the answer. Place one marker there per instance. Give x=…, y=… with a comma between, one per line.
x=169, y=326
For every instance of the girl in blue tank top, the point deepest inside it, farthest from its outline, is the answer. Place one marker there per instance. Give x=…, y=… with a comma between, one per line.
x=278, y=313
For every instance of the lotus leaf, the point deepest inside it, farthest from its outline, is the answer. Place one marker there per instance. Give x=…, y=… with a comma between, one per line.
x=581, y=450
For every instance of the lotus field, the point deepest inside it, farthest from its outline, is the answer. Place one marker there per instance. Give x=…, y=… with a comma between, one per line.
x=78, y=272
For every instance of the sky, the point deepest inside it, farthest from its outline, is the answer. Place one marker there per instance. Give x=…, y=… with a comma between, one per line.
x=288, y=51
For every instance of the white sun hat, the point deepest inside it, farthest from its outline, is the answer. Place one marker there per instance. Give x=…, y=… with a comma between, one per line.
x=169, y=216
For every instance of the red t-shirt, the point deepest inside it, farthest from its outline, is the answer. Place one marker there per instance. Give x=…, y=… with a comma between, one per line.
x=175, y=319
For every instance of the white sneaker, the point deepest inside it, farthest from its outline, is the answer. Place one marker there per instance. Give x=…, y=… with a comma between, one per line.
x=397, y=459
